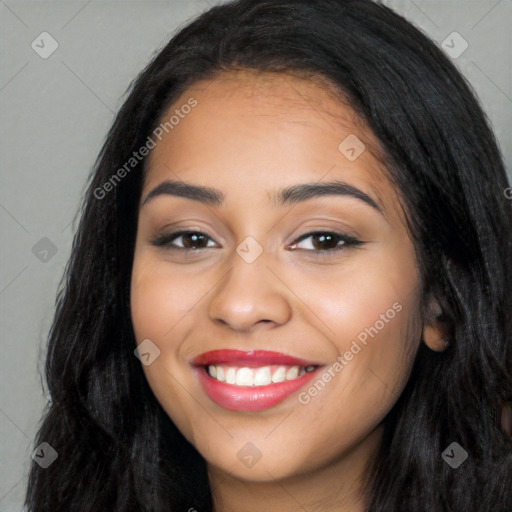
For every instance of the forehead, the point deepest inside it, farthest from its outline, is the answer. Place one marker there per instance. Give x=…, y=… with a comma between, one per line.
x=261, y=91
x=271, y=130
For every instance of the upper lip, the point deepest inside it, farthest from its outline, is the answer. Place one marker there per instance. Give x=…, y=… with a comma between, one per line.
x=251, y=358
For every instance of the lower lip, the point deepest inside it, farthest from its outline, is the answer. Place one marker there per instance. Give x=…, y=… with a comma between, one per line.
x=256, y=398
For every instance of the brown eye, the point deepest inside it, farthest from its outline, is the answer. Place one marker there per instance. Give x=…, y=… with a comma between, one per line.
x=325, y=241
x=191, y=240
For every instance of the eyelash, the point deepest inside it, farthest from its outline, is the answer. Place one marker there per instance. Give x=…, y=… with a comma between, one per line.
x=347, y=241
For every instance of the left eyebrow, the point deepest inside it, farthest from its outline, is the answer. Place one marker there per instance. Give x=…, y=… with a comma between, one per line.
x=304, y=191
x=287, y=196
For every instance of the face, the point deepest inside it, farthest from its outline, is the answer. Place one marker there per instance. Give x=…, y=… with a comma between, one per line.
x=286, y=322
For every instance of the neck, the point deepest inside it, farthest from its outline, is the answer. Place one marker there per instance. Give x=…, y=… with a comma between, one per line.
x=339, y=485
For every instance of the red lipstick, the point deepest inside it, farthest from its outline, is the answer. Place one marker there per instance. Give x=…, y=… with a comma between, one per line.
x=266, y=378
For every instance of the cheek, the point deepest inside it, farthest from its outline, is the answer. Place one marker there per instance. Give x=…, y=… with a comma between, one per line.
x=160, y=298
x=371, y=295
x=150, y=315
x=156, y=307
x=372, y=361
x=370, y=314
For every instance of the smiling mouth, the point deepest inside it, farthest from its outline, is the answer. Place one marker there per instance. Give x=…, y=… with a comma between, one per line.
x=259, y=376
x=253, y=380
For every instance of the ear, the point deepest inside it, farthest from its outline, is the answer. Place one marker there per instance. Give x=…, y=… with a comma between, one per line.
x=436, y=331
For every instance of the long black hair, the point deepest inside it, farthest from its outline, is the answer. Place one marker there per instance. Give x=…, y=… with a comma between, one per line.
x=117, y=448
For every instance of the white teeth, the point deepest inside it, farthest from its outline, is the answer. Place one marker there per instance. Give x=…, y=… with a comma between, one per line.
x=292, y=373
x=231, y=375
x=262, y=376
x=244, y=377
x=279, y=375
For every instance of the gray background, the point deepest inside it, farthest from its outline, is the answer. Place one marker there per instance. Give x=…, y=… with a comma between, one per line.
x=55, y=115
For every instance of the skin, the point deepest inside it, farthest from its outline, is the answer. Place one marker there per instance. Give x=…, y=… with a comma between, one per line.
x=252, y=134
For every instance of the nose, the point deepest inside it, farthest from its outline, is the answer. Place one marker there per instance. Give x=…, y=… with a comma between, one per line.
x=250, y=295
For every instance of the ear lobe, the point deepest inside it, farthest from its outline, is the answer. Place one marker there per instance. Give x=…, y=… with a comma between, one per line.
x=434, y=338
x=436, y=332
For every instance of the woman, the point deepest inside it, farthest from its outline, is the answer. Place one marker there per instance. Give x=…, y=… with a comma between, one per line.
x=290, y=287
